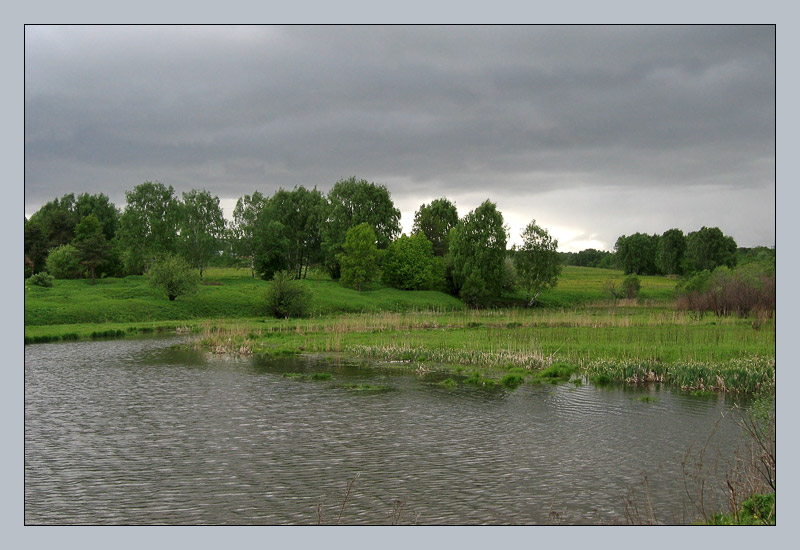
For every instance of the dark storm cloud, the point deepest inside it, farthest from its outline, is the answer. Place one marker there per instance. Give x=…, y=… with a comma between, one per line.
x=550, y=122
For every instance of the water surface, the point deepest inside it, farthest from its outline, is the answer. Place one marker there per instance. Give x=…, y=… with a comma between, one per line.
x=136, y=432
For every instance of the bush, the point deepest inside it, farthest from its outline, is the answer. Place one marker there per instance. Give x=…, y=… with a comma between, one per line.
x=174, y=276
x=41, y=279
x=631, y=286
x=727, y=291
x=64, y=262
x=287, y=298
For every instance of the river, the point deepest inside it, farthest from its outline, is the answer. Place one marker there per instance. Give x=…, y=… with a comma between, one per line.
x=136, y=432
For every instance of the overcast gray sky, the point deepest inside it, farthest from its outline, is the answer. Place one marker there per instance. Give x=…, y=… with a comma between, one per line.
x=594, y=132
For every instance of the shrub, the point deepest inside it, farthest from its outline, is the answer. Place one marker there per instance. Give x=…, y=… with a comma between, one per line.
x=287, y=298
x=409, y=264
x=64, y=262
x=730, y=292
x=631, y=286
x=174, y=276
x=41, y=279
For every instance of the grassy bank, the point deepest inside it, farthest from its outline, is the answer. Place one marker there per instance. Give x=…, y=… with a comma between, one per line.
x=623, y=340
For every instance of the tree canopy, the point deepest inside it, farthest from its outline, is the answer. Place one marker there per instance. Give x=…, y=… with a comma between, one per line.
x=478, y=248
x=148, y=226
x=201, y=225
x=435, y=220
x=359, y=256
x=537, y=260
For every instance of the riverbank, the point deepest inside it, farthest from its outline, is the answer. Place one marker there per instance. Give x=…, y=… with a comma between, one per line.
x=632, y=341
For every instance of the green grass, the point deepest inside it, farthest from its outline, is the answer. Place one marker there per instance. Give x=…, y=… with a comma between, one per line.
x=633, y=341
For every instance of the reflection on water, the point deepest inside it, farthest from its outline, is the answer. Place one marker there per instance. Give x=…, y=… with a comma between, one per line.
x=137, y=432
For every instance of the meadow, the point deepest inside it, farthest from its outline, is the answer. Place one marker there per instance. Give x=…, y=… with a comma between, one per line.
x=577, y=323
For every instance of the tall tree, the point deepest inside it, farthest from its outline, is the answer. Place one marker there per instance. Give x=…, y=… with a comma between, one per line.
x=243, y=227
x=353, y=202
x=478, y=248
x=359, y=256
x=538, y=262
x=670, y=252
x=93, y=248
x=148, y=226
x=201, y=227
x=102, y=208
x=36, y=244
x=301, y=212
x=435, y=220
x=57, y=219
x=708, y=248
x=637, y=253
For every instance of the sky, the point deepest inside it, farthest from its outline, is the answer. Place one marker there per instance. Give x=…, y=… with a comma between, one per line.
x=592, y=131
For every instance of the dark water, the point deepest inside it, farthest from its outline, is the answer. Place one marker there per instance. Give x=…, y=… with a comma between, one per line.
x=135, y=432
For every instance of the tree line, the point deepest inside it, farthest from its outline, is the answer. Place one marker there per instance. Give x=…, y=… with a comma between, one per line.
x=352, y=232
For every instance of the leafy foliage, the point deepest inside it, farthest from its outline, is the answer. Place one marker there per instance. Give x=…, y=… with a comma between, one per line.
x=243, y=228
x=709, y=248
x=631, y=286
x=359, y=259
x=353, y=202
x=90, y=241
x=174, y=276
x=409, y=264
x=148, y=226
x=201, y=226
x=41, y=279
x=287, y=298
x=64, y=262
x=537, y=260
x=435, y=221
x=637, y=253
x=670, y=252
x=478, y=246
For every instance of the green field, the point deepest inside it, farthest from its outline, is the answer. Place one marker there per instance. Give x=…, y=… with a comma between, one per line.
x=577, y=323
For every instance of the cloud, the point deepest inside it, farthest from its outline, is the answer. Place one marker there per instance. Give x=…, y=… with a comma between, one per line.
x=645, y=122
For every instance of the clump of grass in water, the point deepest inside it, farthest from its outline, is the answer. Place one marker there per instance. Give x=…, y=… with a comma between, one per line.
x=477, y=380
x=512, y=381
x=448, y=383
x=294, y=375
x=321, y=376
x=649, y=399
x=559, y=372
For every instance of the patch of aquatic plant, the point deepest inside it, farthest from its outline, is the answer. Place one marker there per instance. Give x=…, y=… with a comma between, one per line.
x=294, y=375
x=321, y=376
x=649, y=399
x=531, y=359
x=477, y=379
x=743, y=375
x=559, y=372
x=512, y=381
x=448, y=383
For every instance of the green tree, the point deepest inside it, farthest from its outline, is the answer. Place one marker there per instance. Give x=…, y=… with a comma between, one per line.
x=57, y=219
x=478, y=246
x=359, y=257
x=409, y=264
x=90, y=241
x=707, y=249
x=36, y=245
x=243, y=228
x=174, y=276
x=64, y=262
x=301, y=212
x=670, y=252
x=435, y=221
x=201, y=227
x=102, y=208
x=353, y=202
x=538, y=262
x=271, y=247
x=637, y=253
x=148, y=227
x=631, y=286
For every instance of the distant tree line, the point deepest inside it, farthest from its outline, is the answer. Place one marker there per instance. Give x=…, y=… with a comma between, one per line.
x=352, y=233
